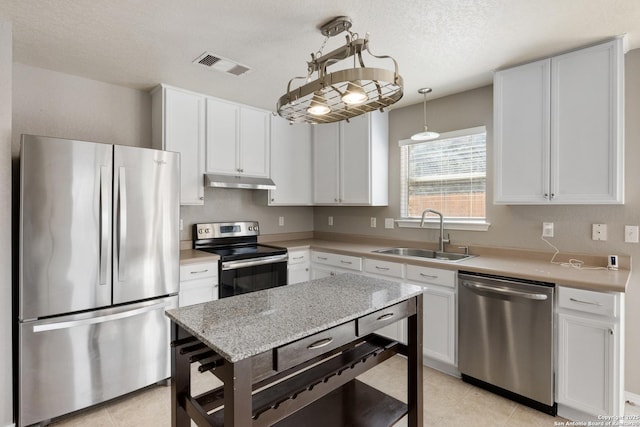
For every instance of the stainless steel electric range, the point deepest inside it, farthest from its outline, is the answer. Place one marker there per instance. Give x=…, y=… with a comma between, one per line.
x=245, y=265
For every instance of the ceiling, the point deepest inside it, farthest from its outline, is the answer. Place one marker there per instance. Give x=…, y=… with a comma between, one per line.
x=449, y=45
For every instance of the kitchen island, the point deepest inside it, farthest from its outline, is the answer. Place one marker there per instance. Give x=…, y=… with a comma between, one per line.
x=291, y=354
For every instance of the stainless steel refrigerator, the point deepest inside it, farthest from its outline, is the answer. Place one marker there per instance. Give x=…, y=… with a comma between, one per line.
x=99, y=264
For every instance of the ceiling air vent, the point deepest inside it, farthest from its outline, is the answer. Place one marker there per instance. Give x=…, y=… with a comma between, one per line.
x=222, y=64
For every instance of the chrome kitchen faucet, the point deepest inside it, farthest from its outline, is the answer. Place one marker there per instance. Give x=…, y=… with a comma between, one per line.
x=441, y=240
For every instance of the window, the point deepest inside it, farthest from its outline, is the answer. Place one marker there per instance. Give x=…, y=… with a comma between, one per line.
x=447, y=174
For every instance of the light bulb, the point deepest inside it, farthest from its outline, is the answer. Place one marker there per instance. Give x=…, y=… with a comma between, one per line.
x=318, y=105
x=354, y=94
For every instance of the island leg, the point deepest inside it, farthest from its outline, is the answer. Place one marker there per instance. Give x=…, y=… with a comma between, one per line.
x=414, y=367
x=237, y=394
x=180, y=379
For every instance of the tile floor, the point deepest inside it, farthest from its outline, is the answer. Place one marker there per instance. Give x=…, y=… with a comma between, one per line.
x=448, y=402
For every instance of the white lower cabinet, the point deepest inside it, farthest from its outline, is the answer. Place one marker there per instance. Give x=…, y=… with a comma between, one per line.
x=198, y=283
x=325, y=264
x=298, y=266
x=439, y=316
x=590, y=361
x=392, y=271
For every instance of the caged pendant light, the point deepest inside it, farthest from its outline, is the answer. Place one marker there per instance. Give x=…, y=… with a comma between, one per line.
x=345, y=93
x=426, y=134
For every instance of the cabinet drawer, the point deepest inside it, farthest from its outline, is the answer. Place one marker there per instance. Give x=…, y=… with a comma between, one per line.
x=600, y=303
x=385, y=268
x=307, y=348
x=198, y=270
x=298, y=257
x=434, y=276
x=337, y=260
x=376, y=320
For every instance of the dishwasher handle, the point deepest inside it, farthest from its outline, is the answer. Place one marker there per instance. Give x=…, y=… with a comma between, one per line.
x=504, y=291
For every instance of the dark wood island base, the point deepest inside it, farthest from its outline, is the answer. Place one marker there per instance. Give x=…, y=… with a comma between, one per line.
x=307, y=382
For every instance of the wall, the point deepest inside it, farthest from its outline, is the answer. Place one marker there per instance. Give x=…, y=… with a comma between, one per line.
x=518, y=226
x=222, y=204
x=6, y=59
x=55, y=104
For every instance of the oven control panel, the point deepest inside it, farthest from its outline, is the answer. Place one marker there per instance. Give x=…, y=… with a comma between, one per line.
x=215, y=230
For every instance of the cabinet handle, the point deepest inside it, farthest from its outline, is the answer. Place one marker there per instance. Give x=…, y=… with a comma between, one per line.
x=553, y=195
x=346, y=262
x=273, y=200
x=335, y=200
x=201, y=271
x=386, y=316
x=597, y=304
x=322, y=258
x=546, y=196
x=320, y=343
x=201, y=197
x=382, y=268
x=298, y=257
x=610, y=331
x=428, y=276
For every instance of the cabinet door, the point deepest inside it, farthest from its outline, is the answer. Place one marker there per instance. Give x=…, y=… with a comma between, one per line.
x=290, y=163
x=326, y=161
x=184, y=127
x=298, y=273
x=222, y=137
x=439, y=329
x=254, y=142
x=521, y=134
x=586, y=131
x=355, y=161
x=586, y=367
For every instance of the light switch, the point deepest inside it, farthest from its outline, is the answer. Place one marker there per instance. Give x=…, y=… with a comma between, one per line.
x=599, y=232
x=388, y=223
x=373, y=222
x=281, y=221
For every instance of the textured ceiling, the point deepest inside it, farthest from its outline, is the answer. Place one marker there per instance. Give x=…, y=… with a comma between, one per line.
x=449, y=45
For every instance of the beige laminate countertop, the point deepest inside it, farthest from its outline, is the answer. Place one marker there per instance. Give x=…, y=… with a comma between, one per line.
x=193, y=256
x=521, y=264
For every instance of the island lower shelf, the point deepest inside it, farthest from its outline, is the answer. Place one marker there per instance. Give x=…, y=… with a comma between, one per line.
x=327, y=389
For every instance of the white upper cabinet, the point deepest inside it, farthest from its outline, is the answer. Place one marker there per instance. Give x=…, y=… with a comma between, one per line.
x=237, y=139
x=350, y=161
x=558, y=129
x=290, y=163
x=178, y=124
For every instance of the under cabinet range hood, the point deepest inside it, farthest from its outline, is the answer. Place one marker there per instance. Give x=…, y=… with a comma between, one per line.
x=234, y=181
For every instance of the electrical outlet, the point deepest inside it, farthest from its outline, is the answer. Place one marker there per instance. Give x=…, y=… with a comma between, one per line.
x=330, y=220
x=281, y=221
x=388, y=223
x=599, y=232
x=547, y=229
x=631, y=234
x=373, y=222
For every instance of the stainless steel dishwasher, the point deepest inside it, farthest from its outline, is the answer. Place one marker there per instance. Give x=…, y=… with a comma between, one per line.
x=505, y=337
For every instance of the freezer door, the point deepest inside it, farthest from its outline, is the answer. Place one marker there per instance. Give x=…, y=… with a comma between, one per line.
x=72, y=362
x=146, y=236
x=65, y=226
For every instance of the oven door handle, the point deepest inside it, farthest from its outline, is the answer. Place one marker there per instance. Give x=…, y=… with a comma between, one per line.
x=234, y=265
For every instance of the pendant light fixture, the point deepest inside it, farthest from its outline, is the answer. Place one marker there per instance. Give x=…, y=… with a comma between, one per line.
x=425, y=135
x=345, y=93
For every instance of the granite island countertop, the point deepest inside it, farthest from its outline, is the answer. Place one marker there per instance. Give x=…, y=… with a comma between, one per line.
x=249, y=324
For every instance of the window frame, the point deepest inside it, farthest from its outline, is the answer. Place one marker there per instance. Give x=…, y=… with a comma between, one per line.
x=473, y=224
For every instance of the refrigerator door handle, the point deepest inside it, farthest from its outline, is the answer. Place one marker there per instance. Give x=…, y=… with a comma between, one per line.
x=104, y=223
x=122, y=223
x=100, y=319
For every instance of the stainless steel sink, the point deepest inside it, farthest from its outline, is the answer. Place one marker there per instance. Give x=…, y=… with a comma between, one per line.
x=424, y=253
